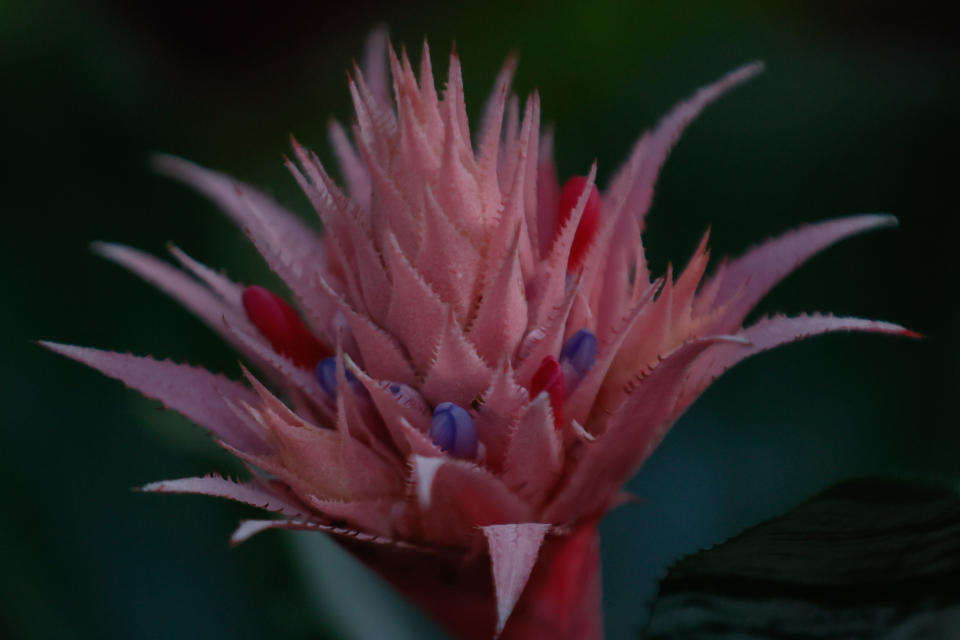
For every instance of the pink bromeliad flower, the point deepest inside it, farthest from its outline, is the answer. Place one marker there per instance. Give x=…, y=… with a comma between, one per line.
x=478, y=359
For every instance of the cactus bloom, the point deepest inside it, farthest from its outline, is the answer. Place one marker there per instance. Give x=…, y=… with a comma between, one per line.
x=473, y=360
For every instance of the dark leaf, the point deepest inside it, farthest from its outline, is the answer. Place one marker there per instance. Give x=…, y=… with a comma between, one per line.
x=873, y=558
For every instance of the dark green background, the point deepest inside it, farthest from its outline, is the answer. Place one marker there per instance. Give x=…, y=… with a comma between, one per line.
x=856, y=112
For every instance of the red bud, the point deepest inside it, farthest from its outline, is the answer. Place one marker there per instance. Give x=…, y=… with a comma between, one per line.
x=549, y=378
x=589, y=221
x=281, y=325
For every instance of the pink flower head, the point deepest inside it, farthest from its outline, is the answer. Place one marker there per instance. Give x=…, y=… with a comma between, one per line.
x=477, y=359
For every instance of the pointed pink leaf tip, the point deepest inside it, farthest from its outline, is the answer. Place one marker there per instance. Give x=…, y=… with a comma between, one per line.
x=194, y=392
x=514, y=549
x=910, y=333
x=281, y=325
x=549, y=378
x=589, y=221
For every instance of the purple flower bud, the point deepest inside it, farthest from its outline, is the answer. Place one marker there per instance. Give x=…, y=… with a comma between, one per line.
x=408, y=397
x=327, y=377
x=453, y=430
x=580, y=352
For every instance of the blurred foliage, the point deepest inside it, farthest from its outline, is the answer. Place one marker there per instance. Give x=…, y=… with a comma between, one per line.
x=874, y=557
x=857, y=112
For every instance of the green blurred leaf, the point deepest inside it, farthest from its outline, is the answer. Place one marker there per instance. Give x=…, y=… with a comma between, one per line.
x=874, y=558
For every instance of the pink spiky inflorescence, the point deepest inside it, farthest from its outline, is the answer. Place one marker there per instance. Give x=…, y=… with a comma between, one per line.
x=478, y=359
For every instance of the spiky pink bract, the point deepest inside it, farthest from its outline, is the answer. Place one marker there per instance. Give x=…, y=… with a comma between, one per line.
x=458, y=274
